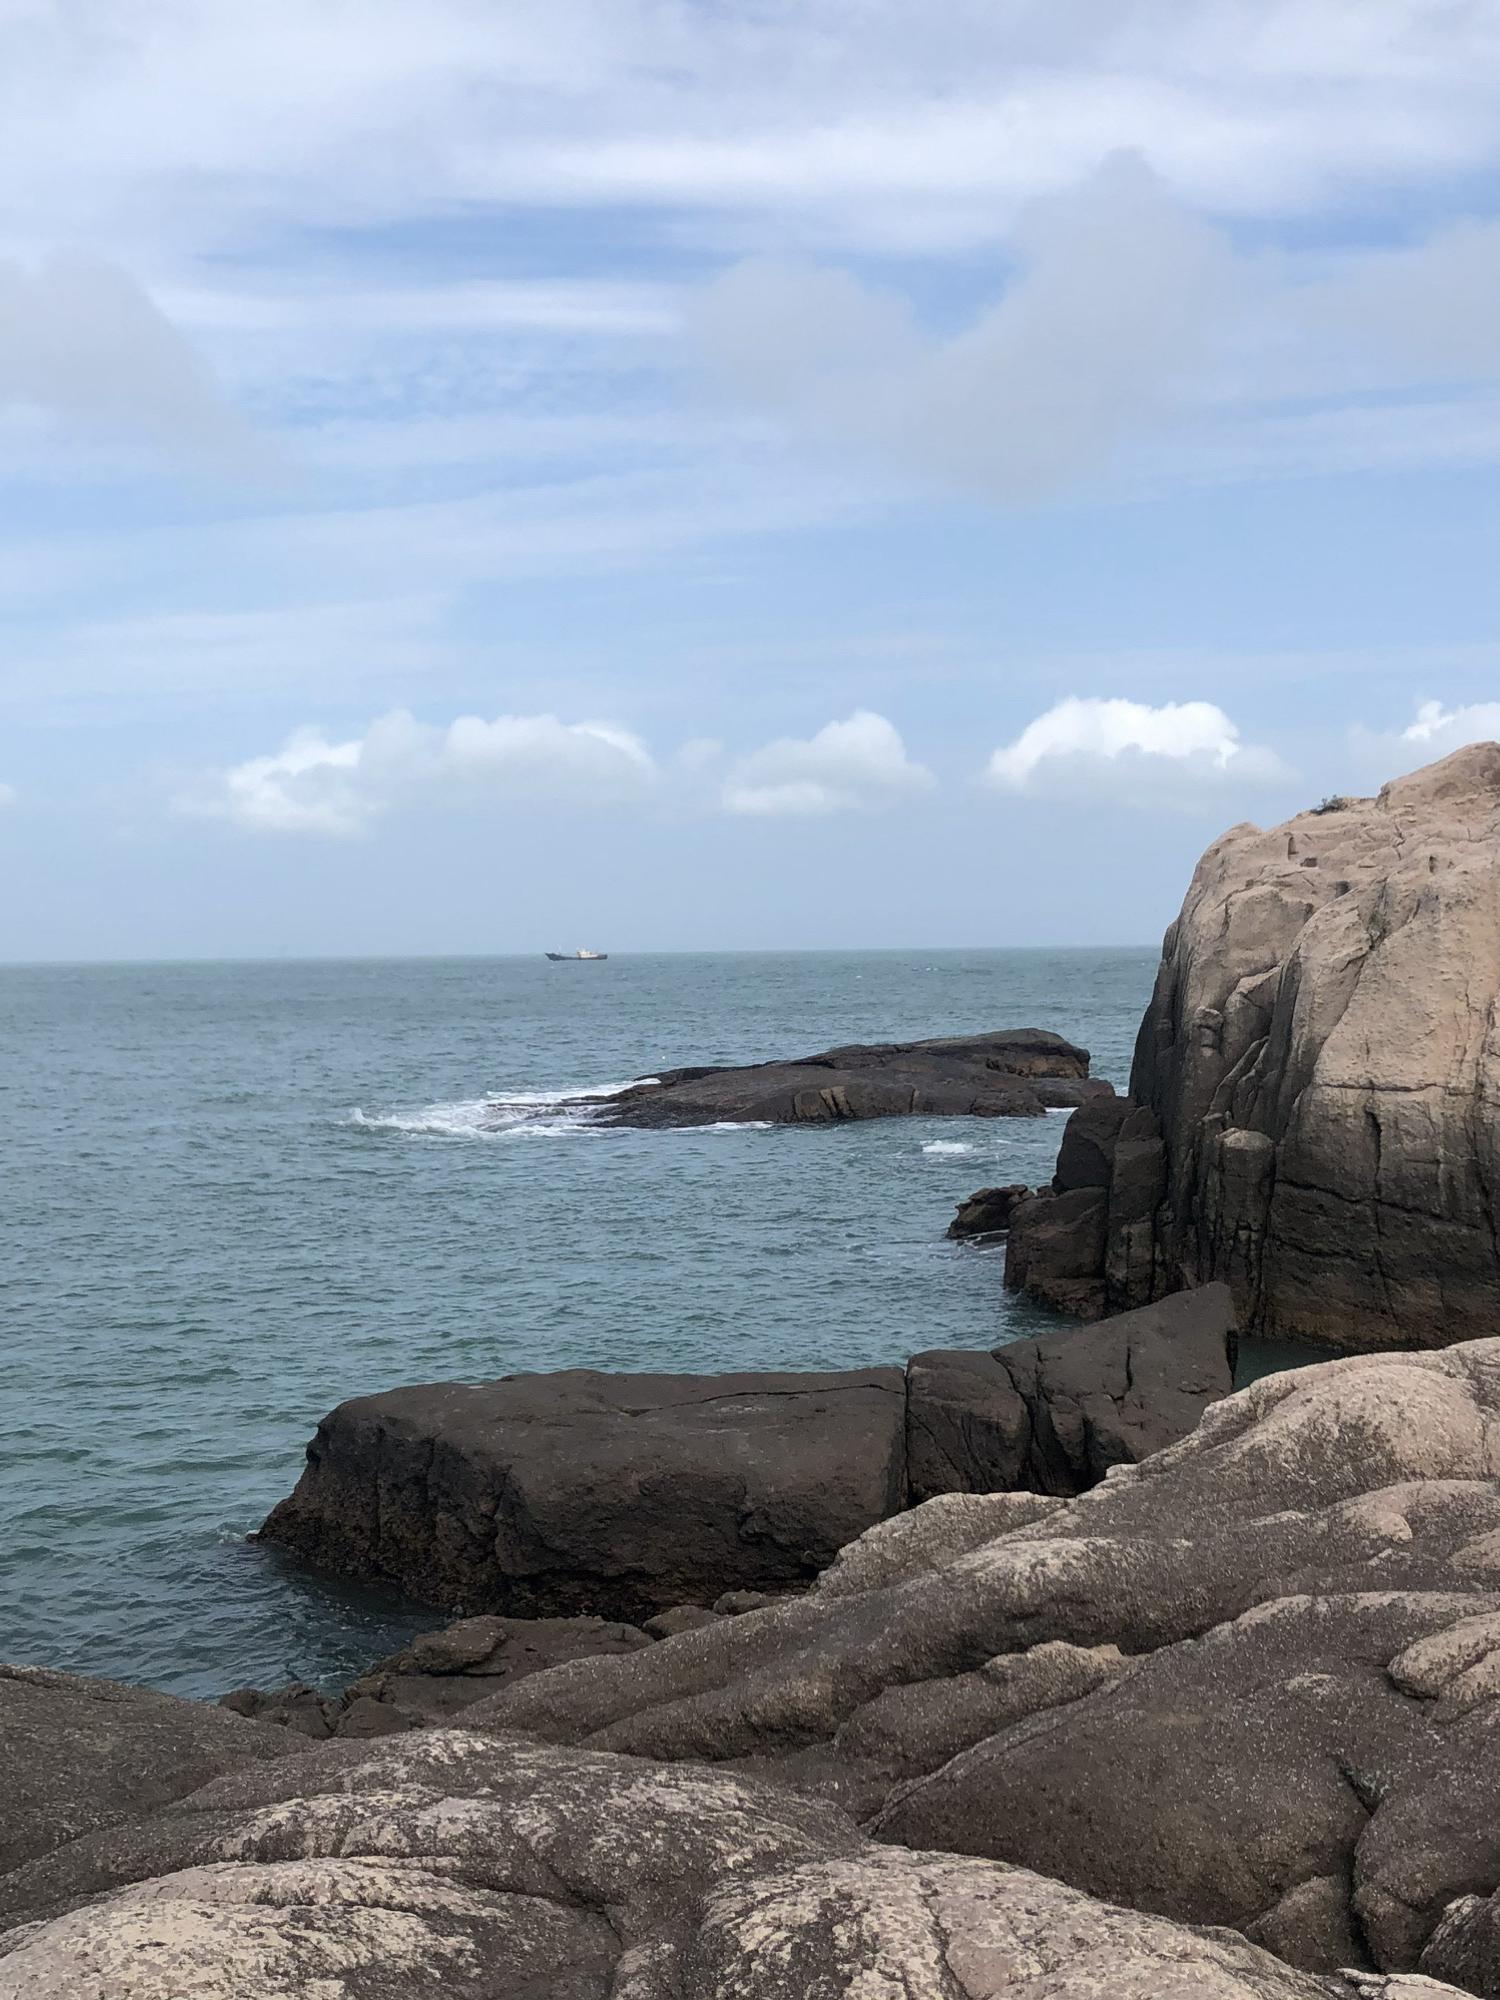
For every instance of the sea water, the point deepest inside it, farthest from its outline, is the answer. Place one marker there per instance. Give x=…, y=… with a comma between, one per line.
x=234, y=1194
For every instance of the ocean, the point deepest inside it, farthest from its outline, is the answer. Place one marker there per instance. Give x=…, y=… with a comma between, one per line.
x=235, y=1194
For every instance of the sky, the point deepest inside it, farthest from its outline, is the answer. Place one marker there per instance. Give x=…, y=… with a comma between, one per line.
x=726, y=474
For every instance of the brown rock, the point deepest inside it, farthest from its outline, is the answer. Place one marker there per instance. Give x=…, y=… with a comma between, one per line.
x=1316, y=1083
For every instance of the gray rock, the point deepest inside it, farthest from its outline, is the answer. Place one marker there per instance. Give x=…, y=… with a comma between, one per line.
x=79, y=1754
x=1015, y=1073
x=614, y=1496
x=680, y=1618
x=450, y=1862
x=1251, y=1680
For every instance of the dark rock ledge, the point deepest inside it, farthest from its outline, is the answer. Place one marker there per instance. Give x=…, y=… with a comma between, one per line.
x=1013, y=1073
x=622, y=1496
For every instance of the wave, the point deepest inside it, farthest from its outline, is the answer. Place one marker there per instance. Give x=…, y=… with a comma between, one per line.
x=518, y=1114
x=946, y=1146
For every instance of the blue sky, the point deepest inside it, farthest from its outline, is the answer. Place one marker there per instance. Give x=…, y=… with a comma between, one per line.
x=476, y=477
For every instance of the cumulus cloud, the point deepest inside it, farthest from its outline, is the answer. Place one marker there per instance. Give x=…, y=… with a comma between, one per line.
x=316, y=786
x=852, y=765
x=82, y=342
x=1131, y=748
x=1095, y=337
x=1438, y=730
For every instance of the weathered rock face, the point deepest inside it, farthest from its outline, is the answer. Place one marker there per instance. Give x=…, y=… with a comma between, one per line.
x=1053, y=1415
x=79, y=1754
x=1015, y=1073
x=614, y=1496
x=986, y=1212
x=1253, y=1681
x=451, y=1862
x=1314, y=1110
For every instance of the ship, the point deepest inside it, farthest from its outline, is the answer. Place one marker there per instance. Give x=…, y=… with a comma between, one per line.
x=582, y=956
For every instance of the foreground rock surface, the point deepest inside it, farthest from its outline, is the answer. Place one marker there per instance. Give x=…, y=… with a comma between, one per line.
x=612, y=1496
x=79, y=1754
x=1314, y=1111
x=1253, y=1681
x=483, y=1868
x=1015, y=1073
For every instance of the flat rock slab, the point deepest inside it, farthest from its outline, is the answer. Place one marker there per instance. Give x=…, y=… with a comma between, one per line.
x=614, y=1496
x=1015, y=1073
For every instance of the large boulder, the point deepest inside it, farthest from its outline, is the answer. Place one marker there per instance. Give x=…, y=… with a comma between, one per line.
x=1252, y=1681
x=1314, y=1110
x=472, y=1866
x=612, y=1496
x=79, y=1754
x=1053, y=1414
x=1015, y=1073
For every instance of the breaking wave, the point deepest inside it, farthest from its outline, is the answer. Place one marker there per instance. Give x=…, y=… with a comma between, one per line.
x=517, y=1114
x=945, y=1146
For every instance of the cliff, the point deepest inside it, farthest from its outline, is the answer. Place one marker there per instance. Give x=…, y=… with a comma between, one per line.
x=1312, y=1115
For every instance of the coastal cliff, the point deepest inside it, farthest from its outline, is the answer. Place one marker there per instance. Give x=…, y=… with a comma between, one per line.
x=1314, y=1106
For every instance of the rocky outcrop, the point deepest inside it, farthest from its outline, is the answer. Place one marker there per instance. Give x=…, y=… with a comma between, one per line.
x=986, y=1212
x=80, y=1754
x=1015, y=1073
x=472, y=1866
x=1314, y=1112
x=1052, y=1415
x=626, y=1497
x=439, y=1674
x=612, y=1496
x=1251, y=1681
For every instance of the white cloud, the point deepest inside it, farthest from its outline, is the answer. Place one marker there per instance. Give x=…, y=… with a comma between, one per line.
x=1131, y=748
x=858, y=118
x=7, y=795
x=82, y=342
x=856, y=764
x=313, y=785
x=1439, y=730
x=1098, y=334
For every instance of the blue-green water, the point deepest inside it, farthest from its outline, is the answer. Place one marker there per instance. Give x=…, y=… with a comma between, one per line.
x=234, y=1194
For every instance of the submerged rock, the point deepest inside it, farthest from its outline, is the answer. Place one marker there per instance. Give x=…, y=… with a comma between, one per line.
x=1016, y=1073
x=1314, y=1111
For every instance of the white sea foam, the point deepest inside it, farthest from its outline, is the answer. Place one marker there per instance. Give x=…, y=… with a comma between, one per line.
x=944, y=1146
x=733, y=1125
x=519, y=1114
